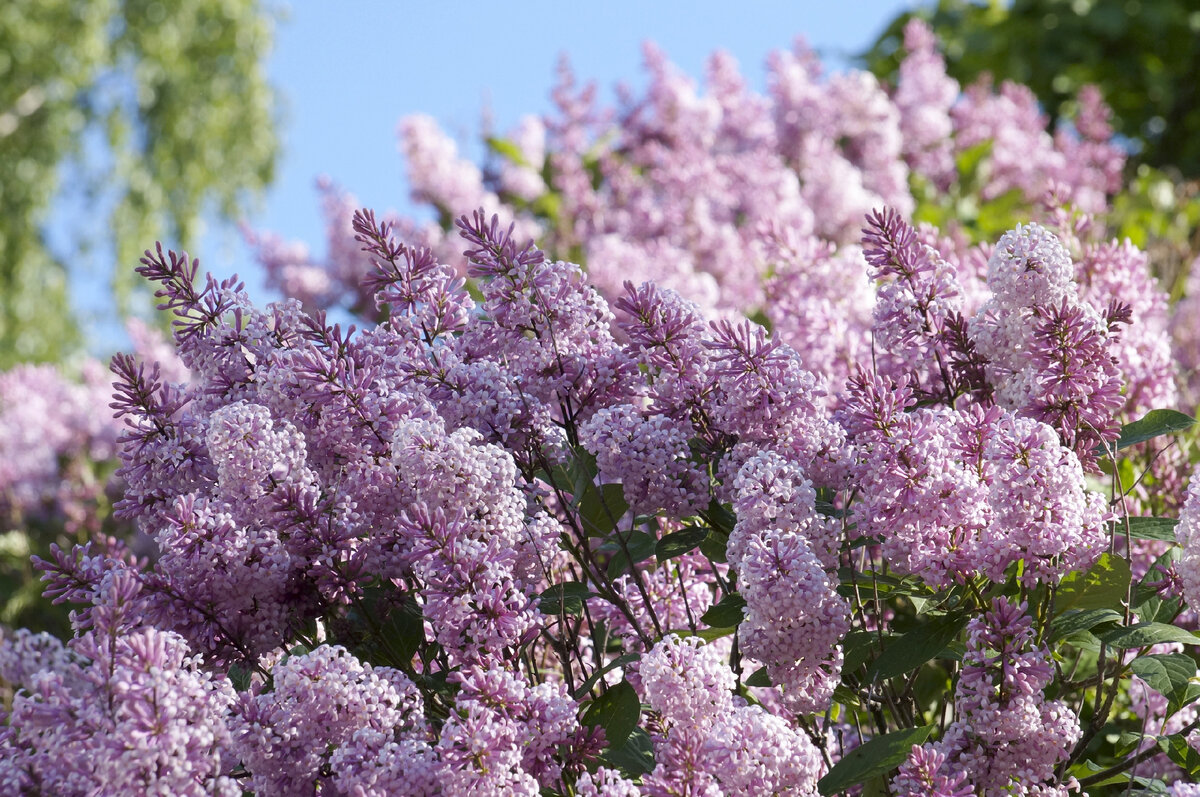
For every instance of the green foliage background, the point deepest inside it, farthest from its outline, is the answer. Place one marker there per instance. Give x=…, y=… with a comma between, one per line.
x=152, y=112
x=1144, y=54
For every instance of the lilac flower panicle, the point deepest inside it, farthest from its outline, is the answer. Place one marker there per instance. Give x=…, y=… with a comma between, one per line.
x=1187, y=534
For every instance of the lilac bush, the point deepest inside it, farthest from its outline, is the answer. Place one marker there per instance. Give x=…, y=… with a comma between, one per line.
x=783, y=490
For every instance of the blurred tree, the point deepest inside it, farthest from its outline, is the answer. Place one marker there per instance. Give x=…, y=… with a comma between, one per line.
x=151, y=112
x=1144, y=55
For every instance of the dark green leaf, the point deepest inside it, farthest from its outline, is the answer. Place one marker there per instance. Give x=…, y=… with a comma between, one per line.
x=759, y=678
x=727, y=613
x=719, y=517
x=1182, y=754
x=1077, y=620
x=1153, y=424
x=1146, y=528
x=635, y=757
x=586, y=686
x=878, y=756
x=558, y=476
x=1169, y=674
x=1148, y=599
x=829, y=510
x=713, y=546
x=679, y=542
x=1104, y=586
x=565, y=598
x=852, y=584
x=582, y=471
x=1145, y=634
x=601, y=508
x=239, y=676
x=635, y=546
x=616, y=711
x=909, y=651
x=857, y=648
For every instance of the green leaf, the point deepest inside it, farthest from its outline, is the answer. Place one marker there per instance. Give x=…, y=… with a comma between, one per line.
x=565, y=598
x=1153, y=424
x=857, y=648
x=635, y=757
x=582, y=471
x=829, y=510
x=878, y=756
x=968, y=161
x=851, y=584
x=400, y=624
x=640, y=547
x=1169, y=674
x=240, y=677
x=1104, y=586
x=727, y=613
x=709, y=634
x=616, y=711
x=506, y=149
x=586, y=686
x=1148, y=601
x=719, y=517
x=677, y=543
x=601, y=508
x=1146, y=528
x=1181, y=753
x=1077, y=620
x=1146, y=634
x=759, y=678
x=911, y=650
x=713, y=546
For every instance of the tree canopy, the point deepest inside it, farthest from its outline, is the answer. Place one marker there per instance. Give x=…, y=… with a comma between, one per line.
x=146, y=112
x=1144, y=55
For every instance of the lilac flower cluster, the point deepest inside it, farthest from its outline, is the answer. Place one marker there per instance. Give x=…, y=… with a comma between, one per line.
x=1007, y=739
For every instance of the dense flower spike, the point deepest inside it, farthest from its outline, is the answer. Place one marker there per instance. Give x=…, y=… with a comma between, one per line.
x=133, y=711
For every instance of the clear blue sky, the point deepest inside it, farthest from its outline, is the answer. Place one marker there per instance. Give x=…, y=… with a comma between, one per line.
x=347, y=72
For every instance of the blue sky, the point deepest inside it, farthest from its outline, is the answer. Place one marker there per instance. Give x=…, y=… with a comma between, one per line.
x=348, y=71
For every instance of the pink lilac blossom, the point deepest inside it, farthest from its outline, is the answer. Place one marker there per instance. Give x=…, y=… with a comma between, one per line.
x=794, y=618
x=1050, y=353
x=47, y=418
x=1185, y=337
x=1187, y=534
x=1006, y=738
x=924, y=95
x=917, y=301
x=1119, y=272
x=523, y=179
x=132, y=711
x=319, y=702
x=819, y=301
x=310, y=481
x=715, y=743
x=924, y=482
x=649, y=457
x=1040, y=506
x=605, y=782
